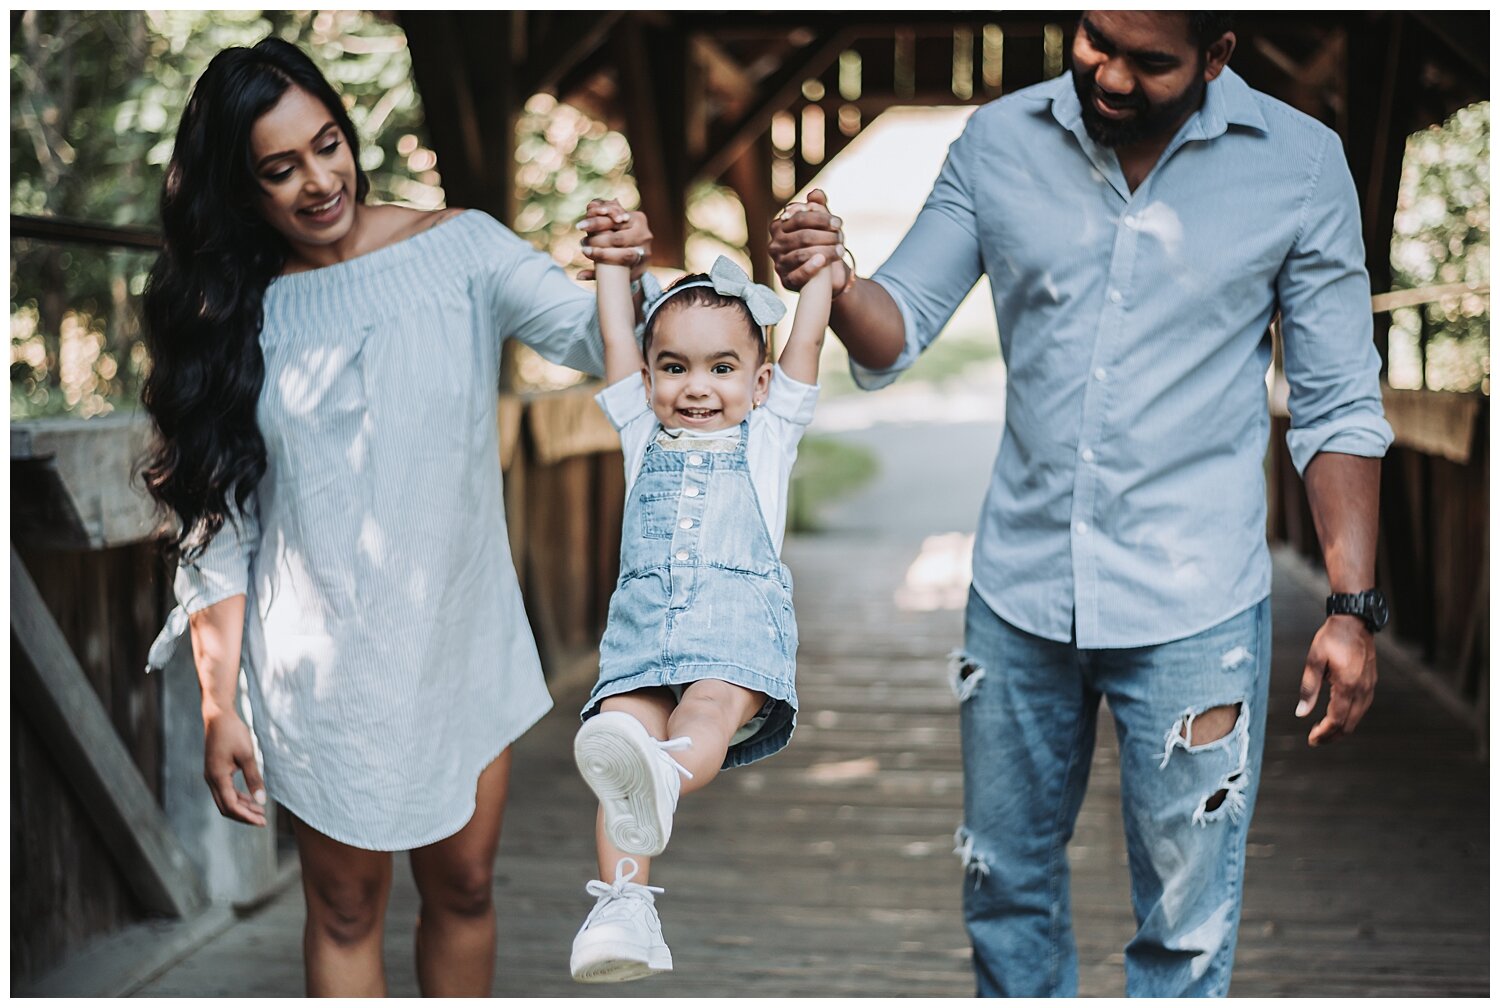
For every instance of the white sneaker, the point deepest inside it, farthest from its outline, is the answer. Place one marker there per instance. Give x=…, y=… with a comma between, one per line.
x=633, y=775
x=621, y=937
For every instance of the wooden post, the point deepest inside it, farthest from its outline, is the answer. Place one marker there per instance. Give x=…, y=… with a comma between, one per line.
x=57, y=697
x=653, y=82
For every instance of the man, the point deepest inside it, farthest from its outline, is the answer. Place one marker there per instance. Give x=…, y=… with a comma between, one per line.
x=1141, y=222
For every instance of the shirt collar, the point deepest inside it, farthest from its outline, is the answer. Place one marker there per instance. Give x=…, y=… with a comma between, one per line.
x=1229, y=100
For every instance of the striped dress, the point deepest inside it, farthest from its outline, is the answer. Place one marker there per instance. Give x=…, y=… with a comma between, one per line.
x=387, y=652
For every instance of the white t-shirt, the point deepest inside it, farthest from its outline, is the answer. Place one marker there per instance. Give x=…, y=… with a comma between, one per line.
x=775, y=430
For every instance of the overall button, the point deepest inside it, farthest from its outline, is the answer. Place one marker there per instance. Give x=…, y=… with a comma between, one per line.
x=690, y=492
x=686, y=523
x=681, y=554
x=695, y=459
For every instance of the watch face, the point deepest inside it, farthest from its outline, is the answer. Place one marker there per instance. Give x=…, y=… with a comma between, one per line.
x=1379, y=612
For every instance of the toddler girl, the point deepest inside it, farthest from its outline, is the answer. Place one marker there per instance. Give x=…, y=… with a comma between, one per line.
x=697, y=662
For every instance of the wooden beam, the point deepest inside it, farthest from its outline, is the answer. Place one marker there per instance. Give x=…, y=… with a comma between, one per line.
x=462, y=65
x=56, y=696
x=653, y=86
x=1465, y=33
x=568, y=40
x=779, y=91
x=84, y=232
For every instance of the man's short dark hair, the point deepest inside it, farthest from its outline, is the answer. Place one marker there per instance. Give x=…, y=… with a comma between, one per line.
x=1206, y=27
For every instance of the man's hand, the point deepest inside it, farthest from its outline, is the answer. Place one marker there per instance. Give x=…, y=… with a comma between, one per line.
x=615, y=235
x=802, y=231
x=1343, y=652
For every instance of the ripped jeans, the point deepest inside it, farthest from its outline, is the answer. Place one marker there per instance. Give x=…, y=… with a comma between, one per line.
x=1029, y=707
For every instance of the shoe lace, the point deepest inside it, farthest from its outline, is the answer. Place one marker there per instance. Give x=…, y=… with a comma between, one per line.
x=681, y=744
x=622, y=888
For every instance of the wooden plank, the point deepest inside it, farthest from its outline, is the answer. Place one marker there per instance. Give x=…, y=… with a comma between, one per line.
x=80, y=478
x=565, y=41
x=777, y=93
x=1434, y=423
x=508, y=419
x=1442, y=424
x=567, y=424
x=57, y=696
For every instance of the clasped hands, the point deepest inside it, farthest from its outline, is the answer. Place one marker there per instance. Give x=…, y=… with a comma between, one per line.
x=800, y=232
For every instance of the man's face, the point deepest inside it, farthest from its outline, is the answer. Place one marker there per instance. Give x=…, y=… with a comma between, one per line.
x=1138, y=74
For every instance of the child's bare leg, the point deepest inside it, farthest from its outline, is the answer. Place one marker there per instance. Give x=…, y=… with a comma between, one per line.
x=710, y=712
x=651, y=707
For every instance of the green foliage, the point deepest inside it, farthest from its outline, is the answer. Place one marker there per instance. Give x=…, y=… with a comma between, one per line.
x=827, y=468
x=565, y=159
x=1442, y=236
x=95, y=100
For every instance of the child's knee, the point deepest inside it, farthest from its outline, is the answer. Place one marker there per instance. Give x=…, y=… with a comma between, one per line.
x=726, y=702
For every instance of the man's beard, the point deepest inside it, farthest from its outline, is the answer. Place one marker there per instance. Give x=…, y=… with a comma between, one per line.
x=1149, y=121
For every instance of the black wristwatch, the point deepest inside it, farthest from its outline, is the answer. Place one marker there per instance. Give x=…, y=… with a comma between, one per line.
x=1369, y=606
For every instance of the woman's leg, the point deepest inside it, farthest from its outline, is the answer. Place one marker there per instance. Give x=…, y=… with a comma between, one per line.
x=346, y=889
x=455, y=877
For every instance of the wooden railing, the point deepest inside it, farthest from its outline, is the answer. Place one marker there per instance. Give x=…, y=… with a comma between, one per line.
x=1433, y=558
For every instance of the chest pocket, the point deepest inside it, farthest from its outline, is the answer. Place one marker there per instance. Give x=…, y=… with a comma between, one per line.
x=658, y=512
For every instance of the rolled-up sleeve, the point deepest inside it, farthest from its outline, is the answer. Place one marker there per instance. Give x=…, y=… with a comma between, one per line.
x=222, y=570
x=936, y=264
x=1332, y=366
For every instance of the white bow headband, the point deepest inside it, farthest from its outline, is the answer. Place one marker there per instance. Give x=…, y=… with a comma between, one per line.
x=728, y=279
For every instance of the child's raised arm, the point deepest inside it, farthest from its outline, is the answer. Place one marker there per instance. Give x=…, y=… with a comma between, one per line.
x=622, y=355
x=799, y=358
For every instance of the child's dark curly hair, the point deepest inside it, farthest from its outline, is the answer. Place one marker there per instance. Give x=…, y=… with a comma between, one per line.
x=702, y=297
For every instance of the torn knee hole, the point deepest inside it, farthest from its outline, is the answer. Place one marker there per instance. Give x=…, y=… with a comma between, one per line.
x=1215, y=800
x=964, y=674
x=1210, y=725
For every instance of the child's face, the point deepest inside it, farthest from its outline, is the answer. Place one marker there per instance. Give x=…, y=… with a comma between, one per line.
x=704, y=371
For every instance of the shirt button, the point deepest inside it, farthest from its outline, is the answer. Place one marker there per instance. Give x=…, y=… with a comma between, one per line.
x=681, y=554
x=1100, y=374
x=695, y=459
x=686, y=523
x=1130, y=220
x=1088, y=454
x=690, y=492
x=1116, y=297
x=1081, y=528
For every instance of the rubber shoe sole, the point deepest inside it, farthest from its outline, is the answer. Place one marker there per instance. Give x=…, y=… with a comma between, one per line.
x=605, y=958
x=618, y=758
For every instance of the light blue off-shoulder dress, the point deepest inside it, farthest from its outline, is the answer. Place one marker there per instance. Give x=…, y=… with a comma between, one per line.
x=387, y=651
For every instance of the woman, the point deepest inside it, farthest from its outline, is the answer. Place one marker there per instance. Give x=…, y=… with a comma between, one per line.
x=323, y=387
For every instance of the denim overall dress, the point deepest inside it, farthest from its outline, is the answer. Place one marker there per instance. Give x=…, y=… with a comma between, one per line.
x=702, y=593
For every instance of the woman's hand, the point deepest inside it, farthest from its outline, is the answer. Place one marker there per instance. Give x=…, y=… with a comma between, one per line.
x=227, y=747
x=615, y=235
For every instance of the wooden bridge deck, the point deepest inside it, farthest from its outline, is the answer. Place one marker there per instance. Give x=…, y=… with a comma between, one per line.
x=829, y=871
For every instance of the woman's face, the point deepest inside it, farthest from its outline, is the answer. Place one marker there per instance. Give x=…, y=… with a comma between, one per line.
x=303, y=164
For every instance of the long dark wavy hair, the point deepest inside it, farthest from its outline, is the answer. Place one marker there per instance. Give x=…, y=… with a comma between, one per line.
x=202, y=310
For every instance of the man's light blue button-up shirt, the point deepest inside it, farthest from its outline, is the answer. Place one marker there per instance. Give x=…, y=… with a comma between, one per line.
x=1128, y=502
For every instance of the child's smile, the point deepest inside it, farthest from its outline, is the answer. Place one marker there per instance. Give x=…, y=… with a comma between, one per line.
x=706, y=371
